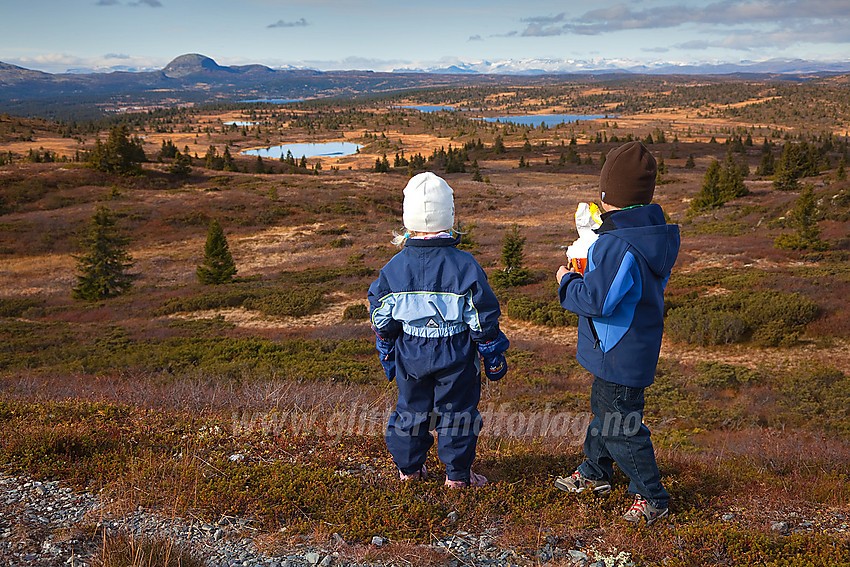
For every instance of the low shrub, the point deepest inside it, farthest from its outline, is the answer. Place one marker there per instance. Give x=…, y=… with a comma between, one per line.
x=231, y=296
x=769, y=318
x=696, y=326
x=357, y=312
x=290, y=303
x=817, y=392
x=59, y=348
x=17, y=306
x=277, y=300
x=210, y=325
x=324, y=275
x=549, y=313
x=341, y=242
x=718, y=375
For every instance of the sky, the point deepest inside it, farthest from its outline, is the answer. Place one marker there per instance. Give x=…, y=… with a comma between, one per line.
x=382, y=35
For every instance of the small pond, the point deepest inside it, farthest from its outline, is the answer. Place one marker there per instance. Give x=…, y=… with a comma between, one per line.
x=240, y=123
x=326, y=149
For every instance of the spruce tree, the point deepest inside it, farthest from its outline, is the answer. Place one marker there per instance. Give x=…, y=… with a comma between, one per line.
x=218, y=266
x=119, y=154
x=804, y=220
x=498, y=145
x=710, y=195
x=102, y=270
x=513, y=259
x=476, y=172
x=181, y=167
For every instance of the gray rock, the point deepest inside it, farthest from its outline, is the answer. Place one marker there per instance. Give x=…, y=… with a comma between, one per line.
x=779, y=526
x=312, y=557
x=378, y=541
x=728, y=517
x=326, y=562
x=453, y=517
x=576, y=555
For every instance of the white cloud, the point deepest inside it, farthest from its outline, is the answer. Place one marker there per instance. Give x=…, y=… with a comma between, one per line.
x=63, y=62
x=296, y=24
x=778, y=21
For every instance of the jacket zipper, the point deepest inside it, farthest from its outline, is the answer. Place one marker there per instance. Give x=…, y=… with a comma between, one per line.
x=596, y=341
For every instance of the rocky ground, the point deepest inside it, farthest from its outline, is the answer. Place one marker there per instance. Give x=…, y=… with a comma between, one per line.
x=45, y=523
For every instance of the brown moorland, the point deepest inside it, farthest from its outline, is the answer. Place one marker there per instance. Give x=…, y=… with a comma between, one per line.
x=748, y=411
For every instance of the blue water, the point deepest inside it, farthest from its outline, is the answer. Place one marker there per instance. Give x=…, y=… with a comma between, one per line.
x=535, y=120
x=273, y=100
x=239, y=123
x=327, y=149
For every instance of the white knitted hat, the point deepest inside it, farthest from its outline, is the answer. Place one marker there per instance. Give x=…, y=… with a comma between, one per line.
x=428, y=204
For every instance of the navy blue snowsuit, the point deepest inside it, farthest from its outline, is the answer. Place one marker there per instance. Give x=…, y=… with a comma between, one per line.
x=620, y=301
x=431, y=307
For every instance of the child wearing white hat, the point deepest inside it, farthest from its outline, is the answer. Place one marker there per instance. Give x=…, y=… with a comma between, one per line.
x=434, y=315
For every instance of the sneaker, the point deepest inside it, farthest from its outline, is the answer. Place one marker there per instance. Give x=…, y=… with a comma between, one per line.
x=421, y=474
x=577, y=483
x=475, y=480
x=643, y=510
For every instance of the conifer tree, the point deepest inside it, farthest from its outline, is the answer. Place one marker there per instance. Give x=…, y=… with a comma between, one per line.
x=218, y=266
x=119, y=154
x=227, y=160
x=476, y=172
x=767, y=166
x=498, y=145
x=513, y=258
x=709, y=196
x=841, y=171
x=804, y=219
x=102, y=270
x=182, y=166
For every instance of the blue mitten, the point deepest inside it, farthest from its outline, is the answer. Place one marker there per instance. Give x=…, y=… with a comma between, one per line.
x=495, y=367
x=386, y=350
x=493, y=357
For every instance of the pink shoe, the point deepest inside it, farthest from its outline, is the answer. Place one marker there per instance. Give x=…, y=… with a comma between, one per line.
x=475, y=480
x=421, y=474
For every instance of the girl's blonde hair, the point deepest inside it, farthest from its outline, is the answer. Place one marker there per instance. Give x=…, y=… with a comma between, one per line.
x=399, y=238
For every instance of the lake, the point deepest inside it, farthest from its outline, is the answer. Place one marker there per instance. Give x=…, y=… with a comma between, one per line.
x=535, y=120
x=326, y=149
x=239, y=123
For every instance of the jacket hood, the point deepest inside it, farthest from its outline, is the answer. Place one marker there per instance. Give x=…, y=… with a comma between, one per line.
x=647, y=232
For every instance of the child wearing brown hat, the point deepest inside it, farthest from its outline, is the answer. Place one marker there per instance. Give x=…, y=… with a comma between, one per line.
x=620, y=303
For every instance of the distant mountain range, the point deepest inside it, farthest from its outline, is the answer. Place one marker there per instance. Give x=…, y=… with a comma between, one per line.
x=194, y=78
x=562, y=66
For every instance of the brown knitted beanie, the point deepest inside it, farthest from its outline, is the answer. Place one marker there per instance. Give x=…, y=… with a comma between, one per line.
x=628, y=176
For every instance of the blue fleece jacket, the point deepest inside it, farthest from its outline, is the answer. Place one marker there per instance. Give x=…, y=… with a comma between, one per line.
x=620, y=299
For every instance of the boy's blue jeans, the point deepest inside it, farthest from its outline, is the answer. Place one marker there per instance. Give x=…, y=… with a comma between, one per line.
x=617, y=435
